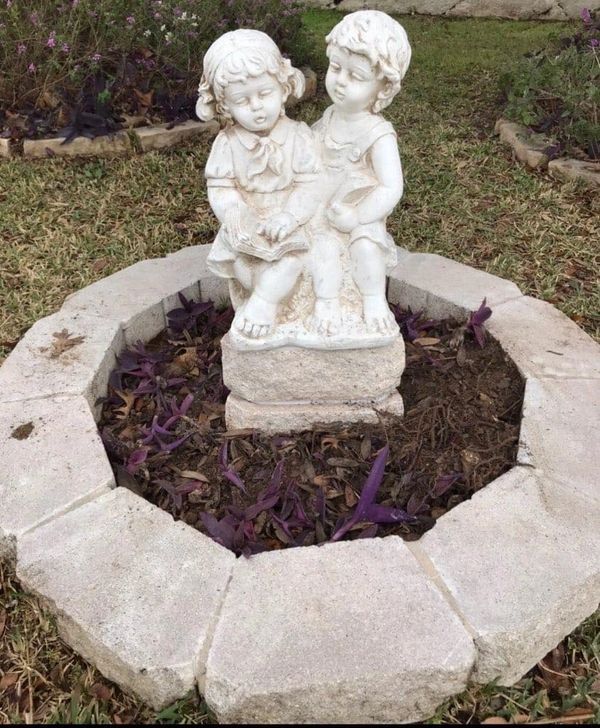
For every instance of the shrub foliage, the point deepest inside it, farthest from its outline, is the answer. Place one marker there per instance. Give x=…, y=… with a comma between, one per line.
x=557, y=90
x=130, y=54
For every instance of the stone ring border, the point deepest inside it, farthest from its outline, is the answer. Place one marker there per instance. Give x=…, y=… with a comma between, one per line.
x=374, y=630
x=136, y=139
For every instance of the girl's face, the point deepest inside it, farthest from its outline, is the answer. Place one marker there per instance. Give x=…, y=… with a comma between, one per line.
x=255, y=103
x=351, y=80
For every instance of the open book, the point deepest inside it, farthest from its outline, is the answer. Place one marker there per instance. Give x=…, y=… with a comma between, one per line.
x=242, y=230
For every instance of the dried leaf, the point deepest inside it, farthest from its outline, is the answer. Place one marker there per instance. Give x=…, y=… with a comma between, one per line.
x=62, y=342
x=3, y=617
x=8, y=679
x=427, y=341
x=101, y=691
x=494, y=720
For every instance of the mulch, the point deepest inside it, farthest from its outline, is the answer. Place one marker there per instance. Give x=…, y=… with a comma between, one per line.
x=164, y=429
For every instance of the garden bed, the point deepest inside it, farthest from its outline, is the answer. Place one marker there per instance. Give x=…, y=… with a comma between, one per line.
x=164, y=428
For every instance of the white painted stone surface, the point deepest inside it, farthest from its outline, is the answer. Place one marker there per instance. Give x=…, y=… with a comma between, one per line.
x=543, y=342
x=303, y=238
x=560, y=432
x=444, y=287
x=135, y=593
x=522, y=561
x=351, y=632
x=513, y=9
x=211, y=287
x=31, y=370
x=295, y=374
x=58, y=466
x=280, y=417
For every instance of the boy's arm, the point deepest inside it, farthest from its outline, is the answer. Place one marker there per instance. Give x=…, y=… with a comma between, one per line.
x=385, y=159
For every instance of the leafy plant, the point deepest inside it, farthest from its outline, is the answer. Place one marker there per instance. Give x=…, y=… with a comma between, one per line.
x=556, y=90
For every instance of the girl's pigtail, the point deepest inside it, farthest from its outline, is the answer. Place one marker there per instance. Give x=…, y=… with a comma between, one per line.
x=205, y=106
x=293, y=79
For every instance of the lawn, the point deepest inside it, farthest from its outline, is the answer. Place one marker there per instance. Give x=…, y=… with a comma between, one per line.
x=65, y=224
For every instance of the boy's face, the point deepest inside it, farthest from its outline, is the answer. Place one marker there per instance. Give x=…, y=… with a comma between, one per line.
x=351, y=80
x=255, y=103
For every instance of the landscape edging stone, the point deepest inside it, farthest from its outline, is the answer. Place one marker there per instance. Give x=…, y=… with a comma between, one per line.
x=558, y=330
x=529, y=148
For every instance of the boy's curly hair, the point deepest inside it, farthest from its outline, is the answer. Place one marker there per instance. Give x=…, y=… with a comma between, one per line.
x=383, y=40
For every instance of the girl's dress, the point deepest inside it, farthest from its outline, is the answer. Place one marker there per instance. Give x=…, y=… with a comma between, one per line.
x=349, y=176
x=264, y=170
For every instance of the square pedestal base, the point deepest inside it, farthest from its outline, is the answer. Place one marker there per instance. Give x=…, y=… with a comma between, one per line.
x=283, y=417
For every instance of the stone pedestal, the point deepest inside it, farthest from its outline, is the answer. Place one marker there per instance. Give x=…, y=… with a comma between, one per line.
x=292, y=388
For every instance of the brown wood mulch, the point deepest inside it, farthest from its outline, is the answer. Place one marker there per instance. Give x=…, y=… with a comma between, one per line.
x=164, y=430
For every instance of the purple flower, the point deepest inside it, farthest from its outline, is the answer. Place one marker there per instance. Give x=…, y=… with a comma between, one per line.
x=130, y=19
x=51, y=42
x=31, y=68
x=594, y=43
x=21, y=48
x=74, y=3
x=34, y=18
x=65, y=48
x=586, y=16
x=96, y=57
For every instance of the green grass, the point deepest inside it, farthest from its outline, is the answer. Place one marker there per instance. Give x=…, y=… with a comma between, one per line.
x=65, y=224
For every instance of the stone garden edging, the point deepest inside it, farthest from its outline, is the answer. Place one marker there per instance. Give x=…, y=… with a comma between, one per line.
x=529, y=148
x=369, y=630
x=130, y=141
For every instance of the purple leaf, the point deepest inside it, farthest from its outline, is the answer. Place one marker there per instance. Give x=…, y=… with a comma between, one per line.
x=367, y=495
x=443, y=483
x=416, y=504
x=234, y=478
x=220, y=531
x=369, y=532
x=136, y=458
x=477, y=320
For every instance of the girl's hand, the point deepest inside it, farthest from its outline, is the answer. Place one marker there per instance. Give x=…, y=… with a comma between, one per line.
x=343, y=217
x=278, y=226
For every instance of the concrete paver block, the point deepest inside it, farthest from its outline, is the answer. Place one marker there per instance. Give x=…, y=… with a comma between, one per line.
x=573, y=169
x=543, y=342
x=110, y=145
x=296, y=374
x=65, y=353
x=521, y=559
x=443, y=287
x=349, y=632
x=161, y=137
x=139, y=296
x=135, y=593
x=560, y=432
x=279, y=417
x=52, y=461
x=5, y=148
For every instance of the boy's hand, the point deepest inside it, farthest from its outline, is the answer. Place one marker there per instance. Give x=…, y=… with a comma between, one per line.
x=278, y=226
x=343, y=217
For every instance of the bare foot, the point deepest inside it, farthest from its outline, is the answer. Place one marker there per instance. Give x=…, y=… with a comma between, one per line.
x=257, y=317
x=326, y=316
x=378, y=316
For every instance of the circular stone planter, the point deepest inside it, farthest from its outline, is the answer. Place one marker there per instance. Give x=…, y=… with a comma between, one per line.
x=373, y=630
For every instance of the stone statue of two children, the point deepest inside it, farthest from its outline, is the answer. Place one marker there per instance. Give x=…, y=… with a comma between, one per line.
x=303, y=211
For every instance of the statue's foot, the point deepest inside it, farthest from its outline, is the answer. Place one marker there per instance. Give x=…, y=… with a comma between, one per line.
x=377, y=314
x=327, y=317
x=256, y=318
